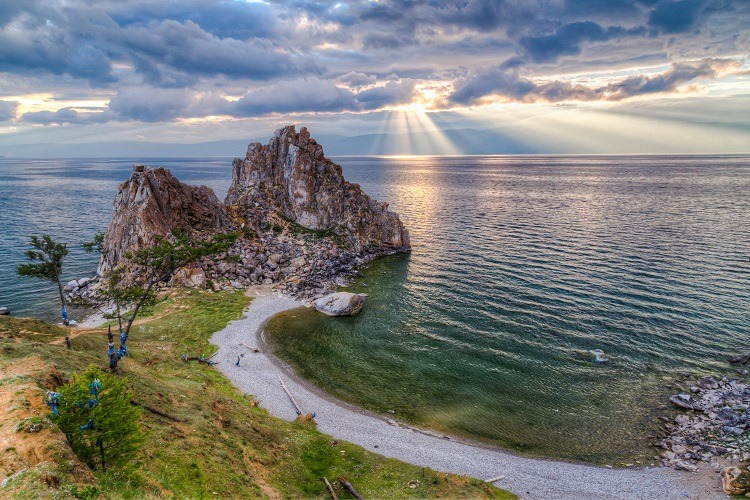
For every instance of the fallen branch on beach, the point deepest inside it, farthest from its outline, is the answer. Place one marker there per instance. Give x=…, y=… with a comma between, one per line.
x=346, y=484
x=296, y=406
x=495, y=479
x=251, y=348
x=330, y=489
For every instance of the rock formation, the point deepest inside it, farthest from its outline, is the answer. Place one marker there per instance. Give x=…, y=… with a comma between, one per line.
x=300, y=223
x=151, y=204
x=292, y=176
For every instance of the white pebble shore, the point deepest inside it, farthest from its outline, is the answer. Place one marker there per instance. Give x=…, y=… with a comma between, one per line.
x=258, y=374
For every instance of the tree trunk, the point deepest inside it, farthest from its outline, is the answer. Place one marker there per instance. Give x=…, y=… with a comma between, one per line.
x=138, y=306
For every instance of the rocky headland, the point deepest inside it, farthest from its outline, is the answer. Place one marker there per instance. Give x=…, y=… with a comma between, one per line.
x=301, y=225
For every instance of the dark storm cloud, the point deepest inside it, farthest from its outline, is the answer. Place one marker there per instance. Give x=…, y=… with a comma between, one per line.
x=676, y=17
x=164, y=60
x=224, y=19
x=7, y=110
x=513, y=87
x=567, y=40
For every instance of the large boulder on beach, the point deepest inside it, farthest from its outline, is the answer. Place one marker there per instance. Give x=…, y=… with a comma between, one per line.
x=735, y=480
x=340, y=303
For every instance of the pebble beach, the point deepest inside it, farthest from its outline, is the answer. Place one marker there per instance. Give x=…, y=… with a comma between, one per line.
x=259, y=373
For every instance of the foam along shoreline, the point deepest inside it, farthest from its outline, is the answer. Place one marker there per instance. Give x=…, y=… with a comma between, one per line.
x=259, y=372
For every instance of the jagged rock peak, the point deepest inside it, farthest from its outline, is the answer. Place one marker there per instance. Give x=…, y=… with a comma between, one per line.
x=152, y=203
x=292, y=176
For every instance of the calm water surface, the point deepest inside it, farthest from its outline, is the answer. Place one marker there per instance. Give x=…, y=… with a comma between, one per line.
x=522, y=265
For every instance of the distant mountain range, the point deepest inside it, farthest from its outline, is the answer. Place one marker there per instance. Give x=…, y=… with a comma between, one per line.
x=462, y=141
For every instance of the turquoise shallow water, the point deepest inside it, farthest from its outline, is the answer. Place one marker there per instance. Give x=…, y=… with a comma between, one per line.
x=522, y=265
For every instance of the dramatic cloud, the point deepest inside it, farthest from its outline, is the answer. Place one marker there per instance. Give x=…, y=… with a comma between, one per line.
x=676, y=17
x=111, y=63
x=508, y=85
x=65, y=116
x=567, y=40
x=316, y=95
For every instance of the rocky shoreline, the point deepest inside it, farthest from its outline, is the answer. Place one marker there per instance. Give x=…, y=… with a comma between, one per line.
x=711, y=428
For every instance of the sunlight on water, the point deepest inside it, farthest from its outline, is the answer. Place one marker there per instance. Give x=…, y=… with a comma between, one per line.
x=520, y=267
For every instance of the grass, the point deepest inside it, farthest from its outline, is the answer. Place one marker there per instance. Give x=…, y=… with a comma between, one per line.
x=228, y=447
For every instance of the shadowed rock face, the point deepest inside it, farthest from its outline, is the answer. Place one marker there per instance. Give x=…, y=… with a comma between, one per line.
x=292, y=175
x=152, y=203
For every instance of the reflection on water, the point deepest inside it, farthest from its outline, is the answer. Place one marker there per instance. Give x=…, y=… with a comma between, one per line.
x=521, y=266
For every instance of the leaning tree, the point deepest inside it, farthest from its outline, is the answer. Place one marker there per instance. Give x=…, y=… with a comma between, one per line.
x=132, y=283
x=45, y=262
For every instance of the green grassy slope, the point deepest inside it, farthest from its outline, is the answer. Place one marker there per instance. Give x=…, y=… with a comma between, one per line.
x=227, y=447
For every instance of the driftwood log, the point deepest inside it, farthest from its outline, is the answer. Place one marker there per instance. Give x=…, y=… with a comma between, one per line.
x=294, y=402
x=330, y=489
x=346, y=484
x=157, y=412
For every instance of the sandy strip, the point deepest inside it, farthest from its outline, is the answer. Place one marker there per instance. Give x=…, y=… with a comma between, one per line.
x=259, y=373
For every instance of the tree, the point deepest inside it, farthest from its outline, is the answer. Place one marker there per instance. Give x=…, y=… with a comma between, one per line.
x=110, y=290
x=46, y=261
x=95, y=413
x=133, y=282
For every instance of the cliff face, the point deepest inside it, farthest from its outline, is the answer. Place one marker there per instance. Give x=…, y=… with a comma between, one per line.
x=300, y=223
x=292, y=175
x=152, y=203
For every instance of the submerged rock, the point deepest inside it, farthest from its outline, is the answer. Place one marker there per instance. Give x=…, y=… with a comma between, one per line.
x=599, y=356
x=340, y=303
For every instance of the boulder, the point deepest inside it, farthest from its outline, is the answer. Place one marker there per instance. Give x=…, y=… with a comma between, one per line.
x=707, y=383
x=735, y=480
x=340, y=303
x=682, y=400
x=4, y=311
x=191, y=277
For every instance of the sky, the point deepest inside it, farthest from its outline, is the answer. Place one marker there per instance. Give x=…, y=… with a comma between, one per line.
x=130, y=77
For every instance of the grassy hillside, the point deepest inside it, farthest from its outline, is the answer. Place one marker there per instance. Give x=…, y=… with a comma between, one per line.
x=226, y=447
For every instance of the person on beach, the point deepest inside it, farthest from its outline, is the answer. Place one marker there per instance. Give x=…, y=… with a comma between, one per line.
x=67, y=342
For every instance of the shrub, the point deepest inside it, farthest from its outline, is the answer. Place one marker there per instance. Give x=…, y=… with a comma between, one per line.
x=101, y=426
